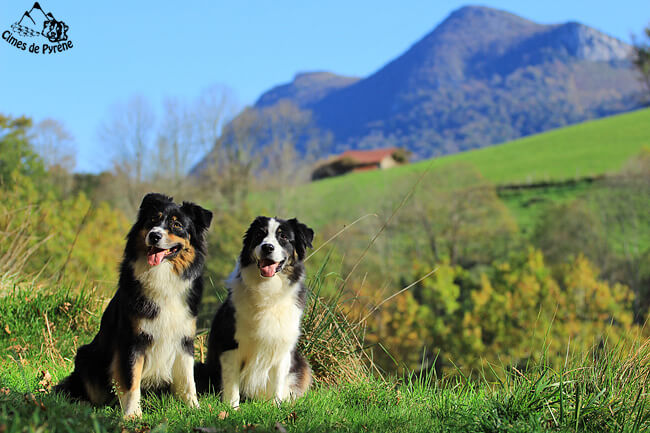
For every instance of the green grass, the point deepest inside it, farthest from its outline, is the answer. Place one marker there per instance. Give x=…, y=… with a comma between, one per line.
x=595, y=394
x=590, y=148
x=528, y=205
x=587, y=149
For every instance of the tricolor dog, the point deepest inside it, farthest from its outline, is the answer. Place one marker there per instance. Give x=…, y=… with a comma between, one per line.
x=252, y=345
x=146, y=336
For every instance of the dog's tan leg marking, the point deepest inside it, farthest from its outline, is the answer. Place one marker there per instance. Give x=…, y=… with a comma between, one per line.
x=95, y=393
x=183, y=385
x=130, y=398
x=304, y=381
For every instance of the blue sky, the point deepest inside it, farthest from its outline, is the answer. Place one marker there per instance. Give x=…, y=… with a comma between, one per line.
x=176, y=49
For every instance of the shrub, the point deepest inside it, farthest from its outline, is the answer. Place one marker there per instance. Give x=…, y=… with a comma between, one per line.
x=508, y=313
x=74, y=240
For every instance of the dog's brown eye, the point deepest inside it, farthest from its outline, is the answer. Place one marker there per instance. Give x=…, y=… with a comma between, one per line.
x=176, y=225
x=156, y=218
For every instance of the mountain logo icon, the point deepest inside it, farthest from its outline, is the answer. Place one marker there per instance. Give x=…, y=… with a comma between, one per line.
x=35, y=22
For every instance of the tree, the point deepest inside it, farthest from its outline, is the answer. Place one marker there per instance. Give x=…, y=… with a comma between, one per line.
x=147, y=155
x=16, y=152
x=402, y=327
x=623, y=208
x=641, y=58
x=566, y=230
x=289, y=148
x=460, y=216
x=509, y=312
x=272, y=147
x=228, y=167
x=215, y=107
x=127, y=135
x=522, y=307
x=189, y=130
x=55, y=145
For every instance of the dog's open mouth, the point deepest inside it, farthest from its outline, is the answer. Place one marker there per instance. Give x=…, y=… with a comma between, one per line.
x=156, y=255
x=268, y=267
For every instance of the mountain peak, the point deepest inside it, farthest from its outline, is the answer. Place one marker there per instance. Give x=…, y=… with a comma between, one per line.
x=482, y=76
x=478, y=10
x=579, y=40
x=306, y=88
x=483, y=16
x=315, y=76
x=586, y=43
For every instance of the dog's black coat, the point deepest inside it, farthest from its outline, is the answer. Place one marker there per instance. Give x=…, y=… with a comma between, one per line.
x=119, y=337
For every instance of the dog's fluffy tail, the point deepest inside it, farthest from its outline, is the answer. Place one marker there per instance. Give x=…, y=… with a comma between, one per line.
x=300, y=375
x=207, y=379
x=72, y=387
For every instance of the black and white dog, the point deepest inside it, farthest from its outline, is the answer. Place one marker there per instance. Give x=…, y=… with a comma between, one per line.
x=252, y=344
x=146, y=336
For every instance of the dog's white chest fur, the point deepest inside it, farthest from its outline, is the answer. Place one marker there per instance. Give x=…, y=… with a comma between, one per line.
x=172, y=323
x=267, y=322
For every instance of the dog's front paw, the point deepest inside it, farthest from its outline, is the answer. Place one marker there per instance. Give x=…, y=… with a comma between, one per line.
x=193, y=402
x=231, y=398
x=190, y=399
x=234, y=403
x=133, y=414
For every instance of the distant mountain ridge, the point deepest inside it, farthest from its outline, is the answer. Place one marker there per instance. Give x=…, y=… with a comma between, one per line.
x=306, y=88
x=483, y=76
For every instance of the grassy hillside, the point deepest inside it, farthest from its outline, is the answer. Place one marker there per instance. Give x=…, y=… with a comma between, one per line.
x=40, y=336
x=519, y=345
x=587, y=149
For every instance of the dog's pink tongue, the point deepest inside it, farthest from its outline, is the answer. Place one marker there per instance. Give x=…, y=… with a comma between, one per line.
x=156, y=258
x=267, y=269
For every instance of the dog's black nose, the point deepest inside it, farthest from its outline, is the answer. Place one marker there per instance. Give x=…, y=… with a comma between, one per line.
x=267, y=248
x=154, y=237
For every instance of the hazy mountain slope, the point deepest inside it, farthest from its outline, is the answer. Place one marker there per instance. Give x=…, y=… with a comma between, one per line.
x=483, y=76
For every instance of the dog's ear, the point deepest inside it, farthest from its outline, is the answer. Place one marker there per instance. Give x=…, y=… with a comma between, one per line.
x=260, y=221
x=155, y=200
x=304, y=237
x=200, y=217
x=245, y=257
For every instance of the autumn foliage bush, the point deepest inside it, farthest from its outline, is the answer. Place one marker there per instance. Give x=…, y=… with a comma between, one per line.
x=62, y=239
x=506, y=314
x=47, y=233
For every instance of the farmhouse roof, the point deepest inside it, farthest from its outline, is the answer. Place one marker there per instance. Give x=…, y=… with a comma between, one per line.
x=368, y=156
